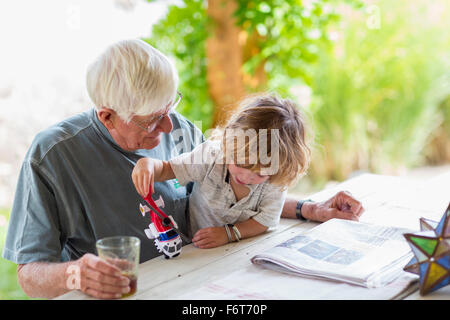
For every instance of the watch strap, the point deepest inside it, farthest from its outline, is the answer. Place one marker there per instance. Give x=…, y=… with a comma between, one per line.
x=298, y=209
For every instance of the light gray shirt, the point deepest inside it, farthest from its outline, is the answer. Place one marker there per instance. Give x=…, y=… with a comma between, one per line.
x=213, y=202
x=75, y=187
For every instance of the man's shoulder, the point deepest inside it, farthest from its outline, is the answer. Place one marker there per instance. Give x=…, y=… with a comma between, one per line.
x=185, y=134
x=181, y=122
x=48, y=138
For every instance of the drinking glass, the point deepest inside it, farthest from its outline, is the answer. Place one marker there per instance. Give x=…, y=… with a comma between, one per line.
x=122, y=252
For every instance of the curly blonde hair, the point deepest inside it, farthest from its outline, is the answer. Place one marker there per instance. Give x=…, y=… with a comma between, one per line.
x=266, y=122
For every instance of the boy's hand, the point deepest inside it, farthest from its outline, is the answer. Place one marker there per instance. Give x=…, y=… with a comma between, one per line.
x=210, y=237
x=143, y=176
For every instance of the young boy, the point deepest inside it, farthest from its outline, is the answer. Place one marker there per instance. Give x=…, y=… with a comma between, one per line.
x=241, y=173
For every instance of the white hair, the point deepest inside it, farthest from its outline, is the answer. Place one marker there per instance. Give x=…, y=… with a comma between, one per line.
x=132, y=78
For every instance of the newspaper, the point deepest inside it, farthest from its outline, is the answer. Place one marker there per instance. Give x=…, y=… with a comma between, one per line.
x=359, y=253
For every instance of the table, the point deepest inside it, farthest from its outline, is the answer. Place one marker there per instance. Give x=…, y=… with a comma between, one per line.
x=183, y=276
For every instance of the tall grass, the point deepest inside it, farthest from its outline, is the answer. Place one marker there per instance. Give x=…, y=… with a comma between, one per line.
x=376, y=92
x=9, y=287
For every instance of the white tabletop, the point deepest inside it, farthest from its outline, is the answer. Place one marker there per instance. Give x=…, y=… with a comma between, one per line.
x=196, y=273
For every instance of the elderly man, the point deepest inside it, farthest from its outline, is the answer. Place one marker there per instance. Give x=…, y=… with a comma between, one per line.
x=75, y=184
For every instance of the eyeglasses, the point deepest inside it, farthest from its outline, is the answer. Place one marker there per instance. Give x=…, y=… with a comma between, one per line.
x=151, y=124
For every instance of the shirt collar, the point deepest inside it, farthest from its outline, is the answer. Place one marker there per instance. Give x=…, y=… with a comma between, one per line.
x=103, y=131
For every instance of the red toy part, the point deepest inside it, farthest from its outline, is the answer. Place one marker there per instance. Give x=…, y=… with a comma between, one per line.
x=158, y=222
x=161, y=224
x=149, y=199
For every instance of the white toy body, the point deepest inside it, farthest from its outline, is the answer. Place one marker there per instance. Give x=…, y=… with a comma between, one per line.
x=167, y=240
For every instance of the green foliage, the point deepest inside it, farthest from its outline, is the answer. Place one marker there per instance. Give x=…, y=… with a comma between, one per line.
x=377, y=91
x=291, y=34
x=182, y=35
x=438, y=150
x=9, y=288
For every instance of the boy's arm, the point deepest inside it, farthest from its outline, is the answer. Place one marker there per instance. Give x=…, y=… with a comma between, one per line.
x=163, y=171
x=248, y=229
x=147, y=171
x=217, y=236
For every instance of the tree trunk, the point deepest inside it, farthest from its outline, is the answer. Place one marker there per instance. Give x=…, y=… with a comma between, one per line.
x=227, y=50
x=224, y=56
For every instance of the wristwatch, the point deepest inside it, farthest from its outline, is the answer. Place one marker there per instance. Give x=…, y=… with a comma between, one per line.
x=298, y=209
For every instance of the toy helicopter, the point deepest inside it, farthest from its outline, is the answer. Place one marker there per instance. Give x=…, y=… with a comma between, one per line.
x=163, y=228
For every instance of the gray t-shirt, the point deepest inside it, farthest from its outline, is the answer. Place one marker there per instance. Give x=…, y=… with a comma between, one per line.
x=75, y=187
x=213, y=202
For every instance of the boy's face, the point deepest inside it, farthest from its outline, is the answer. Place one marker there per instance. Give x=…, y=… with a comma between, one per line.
x=245, y=176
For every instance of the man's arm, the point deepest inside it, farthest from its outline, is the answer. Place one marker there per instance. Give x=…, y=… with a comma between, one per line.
x=43, y=279
x=89, y=274
x=342, y=206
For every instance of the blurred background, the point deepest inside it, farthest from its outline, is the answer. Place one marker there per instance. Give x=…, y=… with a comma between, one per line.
x=373, y=76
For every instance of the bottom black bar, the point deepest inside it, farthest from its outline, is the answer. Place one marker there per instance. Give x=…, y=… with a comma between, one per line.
x=228, y=309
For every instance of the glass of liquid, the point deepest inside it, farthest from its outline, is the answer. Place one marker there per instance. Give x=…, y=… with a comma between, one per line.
x=122, y=252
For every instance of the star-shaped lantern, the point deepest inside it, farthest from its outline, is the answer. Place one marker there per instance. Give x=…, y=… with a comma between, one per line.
x=431, y=248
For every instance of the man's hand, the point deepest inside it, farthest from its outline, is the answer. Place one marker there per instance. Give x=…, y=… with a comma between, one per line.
x=101, y=279
x=210, y=237
x=341, y=206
